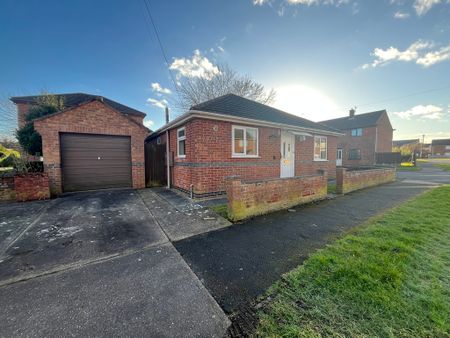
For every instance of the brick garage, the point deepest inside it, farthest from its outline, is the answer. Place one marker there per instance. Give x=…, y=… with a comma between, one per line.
x=94, y=116
x=209, y=159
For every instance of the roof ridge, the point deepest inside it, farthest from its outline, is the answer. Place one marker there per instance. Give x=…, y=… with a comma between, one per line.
x=356, y=115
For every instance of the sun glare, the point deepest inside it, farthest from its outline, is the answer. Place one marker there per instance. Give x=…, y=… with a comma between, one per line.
x=305, y=102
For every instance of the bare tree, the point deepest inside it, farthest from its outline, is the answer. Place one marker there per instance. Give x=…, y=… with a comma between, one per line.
x=194, y=90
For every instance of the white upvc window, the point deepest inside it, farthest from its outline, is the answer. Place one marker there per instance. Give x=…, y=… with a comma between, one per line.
x=244, y=141
x=181, y=142
x=320, y=148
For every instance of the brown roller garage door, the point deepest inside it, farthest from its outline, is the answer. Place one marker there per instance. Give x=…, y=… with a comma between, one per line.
x=91, y=162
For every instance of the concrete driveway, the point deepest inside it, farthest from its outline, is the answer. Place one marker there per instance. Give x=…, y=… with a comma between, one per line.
x=97, y=264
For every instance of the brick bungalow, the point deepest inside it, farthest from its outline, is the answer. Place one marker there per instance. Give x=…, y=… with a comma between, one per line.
x=231, y=135
x=365, y=136
x=440, y=148
x=93, y=143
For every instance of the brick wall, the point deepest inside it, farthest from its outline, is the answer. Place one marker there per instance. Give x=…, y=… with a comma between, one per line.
x=351, y=180
x=91, y=118
x=385, y=135
x=251, y=198
x=366, y=143
x=209, y=156
x=32, y=186
x=7, y=191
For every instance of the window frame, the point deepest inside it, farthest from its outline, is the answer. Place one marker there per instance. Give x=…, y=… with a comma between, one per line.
x=354, y=159
x=356, y=132
x=244, y=154
x=320, y=148
x=182, y=138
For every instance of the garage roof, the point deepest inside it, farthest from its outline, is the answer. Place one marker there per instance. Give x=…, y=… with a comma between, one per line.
x=75, y=99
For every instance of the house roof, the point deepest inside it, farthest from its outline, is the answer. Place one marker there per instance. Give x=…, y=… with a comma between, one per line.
x=75, y=99
x=441, y=142
x=237, y=106
x=357, y=121
x=399, y=143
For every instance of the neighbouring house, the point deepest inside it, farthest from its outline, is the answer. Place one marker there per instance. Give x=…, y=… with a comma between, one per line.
x=410, y=143
x=93, y=143
x=440, y=148
x=366, y=137
x=231, y=135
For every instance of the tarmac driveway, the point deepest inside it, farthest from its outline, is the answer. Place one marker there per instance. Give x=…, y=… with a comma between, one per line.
x=239, y=263
x=79, y=228
x=97, y=264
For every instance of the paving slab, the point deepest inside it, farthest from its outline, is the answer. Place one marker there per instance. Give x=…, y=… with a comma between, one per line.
x=179, y=217
x=152, y=293
x=77, y=229
x=239, y=263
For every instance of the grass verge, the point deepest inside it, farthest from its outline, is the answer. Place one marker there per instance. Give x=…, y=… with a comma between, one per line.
x=416, y=168
x=445, y=167
x=389, y=278
x=332, y=188
x=221, y=209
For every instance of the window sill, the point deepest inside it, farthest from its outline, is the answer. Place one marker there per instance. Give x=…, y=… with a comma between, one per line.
x=245, y=156
x=318, y=160
x=181, y=156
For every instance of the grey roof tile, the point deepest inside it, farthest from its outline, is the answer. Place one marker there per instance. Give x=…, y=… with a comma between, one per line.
x=75, y=99
x=237, y=106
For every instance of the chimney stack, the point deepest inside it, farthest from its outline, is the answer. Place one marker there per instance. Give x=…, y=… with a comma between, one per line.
x=167, y=114
x=352, y=112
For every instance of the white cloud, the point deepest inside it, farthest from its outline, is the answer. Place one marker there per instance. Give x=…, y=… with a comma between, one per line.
x=401, y=15
x=197, y=66
x=419, y=52
x=149, y=123
x=423, y=6
x=156, y=87
x=303, y=3
x=434, y=57
x=318, y=2
x=421, y=112
x=158, y=103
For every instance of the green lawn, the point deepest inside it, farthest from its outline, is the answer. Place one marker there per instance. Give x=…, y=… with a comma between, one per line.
x=388, y=278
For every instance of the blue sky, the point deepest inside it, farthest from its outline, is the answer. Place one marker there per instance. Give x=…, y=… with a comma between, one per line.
x=321, y=56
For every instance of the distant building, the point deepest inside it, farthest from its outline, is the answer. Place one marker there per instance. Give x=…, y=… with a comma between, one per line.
x=366, y=135
x=401, y=143
x=440, y=148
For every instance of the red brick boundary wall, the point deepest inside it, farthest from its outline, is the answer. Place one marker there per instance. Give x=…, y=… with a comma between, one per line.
x=351, y=180
x=250, y=198
x=7, y=192
x=33, y=186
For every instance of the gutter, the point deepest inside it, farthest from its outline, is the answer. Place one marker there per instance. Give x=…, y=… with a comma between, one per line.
x=215, y=116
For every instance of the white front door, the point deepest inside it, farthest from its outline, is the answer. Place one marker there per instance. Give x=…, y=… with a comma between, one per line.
x=287, y=164
x=339, y=158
